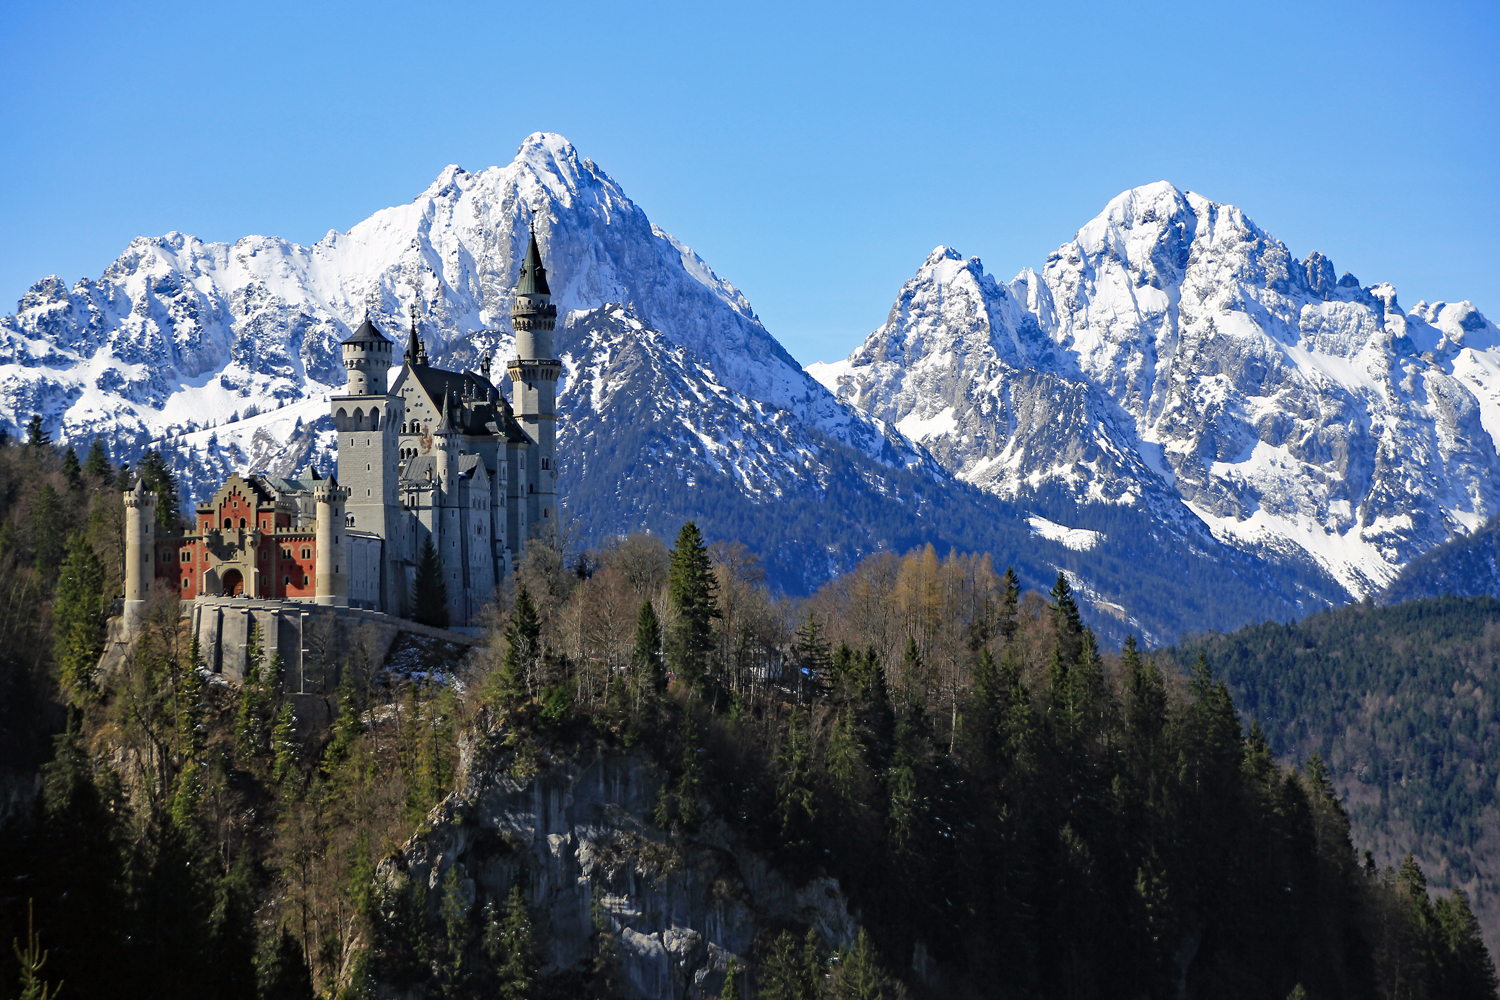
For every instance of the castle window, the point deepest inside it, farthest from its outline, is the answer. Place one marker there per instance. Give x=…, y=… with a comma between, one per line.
x=304, y=579
x=187, y=555
x=228, y=522
x=306, y=553
x=242, y=522
x=286, y=581
x=184, y=583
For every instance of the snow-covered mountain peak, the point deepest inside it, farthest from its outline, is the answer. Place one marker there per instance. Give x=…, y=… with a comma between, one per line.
x=179, y=335
x=1174, y=354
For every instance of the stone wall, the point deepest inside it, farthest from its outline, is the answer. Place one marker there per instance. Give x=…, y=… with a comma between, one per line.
x=313, y=640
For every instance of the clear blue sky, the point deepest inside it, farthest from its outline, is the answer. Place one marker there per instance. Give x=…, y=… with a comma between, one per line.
x=812, y=153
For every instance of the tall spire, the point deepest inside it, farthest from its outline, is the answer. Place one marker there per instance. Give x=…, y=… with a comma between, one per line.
x=447, y=423
x=533, y=279
x=412, y=347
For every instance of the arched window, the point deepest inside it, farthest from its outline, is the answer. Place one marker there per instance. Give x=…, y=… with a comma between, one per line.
x=242, y=522
x=228, y=522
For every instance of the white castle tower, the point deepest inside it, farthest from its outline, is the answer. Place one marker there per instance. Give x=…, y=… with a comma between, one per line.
x=140, y=551
x=533, y=375
x=368, y=419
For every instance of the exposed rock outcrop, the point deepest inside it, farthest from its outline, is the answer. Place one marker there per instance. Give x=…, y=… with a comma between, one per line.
x=576, y=830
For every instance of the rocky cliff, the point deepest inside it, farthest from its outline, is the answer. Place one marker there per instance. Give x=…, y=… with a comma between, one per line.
x=579, y=832
x=1177, y=357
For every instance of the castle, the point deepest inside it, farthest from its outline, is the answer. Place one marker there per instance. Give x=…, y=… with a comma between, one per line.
x=437, y=456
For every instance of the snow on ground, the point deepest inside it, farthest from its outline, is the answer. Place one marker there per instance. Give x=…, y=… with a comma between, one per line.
x=1353, y=560
x=1077, y=539
x=920, y=428
x=827, y=373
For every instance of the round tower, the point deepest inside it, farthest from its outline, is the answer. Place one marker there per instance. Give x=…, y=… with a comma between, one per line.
x=533, y=375
x=140, y=550
x=332, y=570
x=445, y=438
x=532, y=314
x=367, y=358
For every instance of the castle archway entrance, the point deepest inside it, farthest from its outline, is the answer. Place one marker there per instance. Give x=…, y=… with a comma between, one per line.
x=234, y=583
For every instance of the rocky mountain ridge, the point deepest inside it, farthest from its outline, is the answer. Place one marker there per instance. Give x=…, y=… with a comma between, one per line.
x=1122, y=402
x=1175, y=356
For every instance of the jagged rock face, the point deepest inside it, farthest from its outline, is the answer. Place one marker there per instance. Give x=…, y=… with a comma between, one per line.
x=1174, y=352
x=179, y=333
x=680, y=907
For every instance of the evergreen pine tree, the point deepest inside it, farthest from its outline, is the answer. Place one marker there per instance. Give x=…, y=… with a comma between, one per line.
x=231, y=933
x=875, y=717
x=1145, y=711
x=37, y=437
x=47, y=538
x=1086, y=682
x=1466, y=972
x=284, y=744
x=458, y=932
x=691, y=586
x=33, y=958
x=789, y=972
x=157, y=476
x=647, y=671
x=517, y=968
x=688, y=809
x=1010, y=606
x=901, y=778
x=988, y=699
x=814, y=658
x=511, y=685
x=250, y=716
x=283, y=971
x=842, y=759
x=78, y=618
x=1065, y=620
x=913, y=677
x=1018, y=717
x=429, y=595
x=97, y=464
x=729, y=992
x=71, y=469
x=796, y=802
x=859, y=976
x=347, y=727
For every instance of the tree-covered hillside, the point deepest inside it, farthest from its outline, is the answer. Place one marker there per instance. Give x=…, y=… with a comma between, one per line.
x=993, y=807
x=1403, y=703
x=1465, y=566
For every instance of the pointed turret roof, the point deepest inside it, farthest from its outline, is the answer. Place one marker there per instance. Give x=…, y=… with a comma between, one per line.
x=367, y=333
x=533, y=278
x=413, y=349
x=447, y=423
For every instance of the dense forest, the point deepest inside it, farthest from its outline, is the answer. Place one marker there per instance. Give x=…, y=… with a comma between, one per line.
x=1401, y=702
x=1010, y=811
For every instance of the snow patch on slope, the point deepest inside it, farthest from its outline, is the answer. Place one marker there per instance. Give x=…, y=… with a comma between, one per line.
x=1077, y=539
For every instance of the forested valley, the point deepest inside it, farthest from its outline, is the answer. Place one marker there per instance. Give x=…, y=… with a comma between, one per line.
x=1009, y=810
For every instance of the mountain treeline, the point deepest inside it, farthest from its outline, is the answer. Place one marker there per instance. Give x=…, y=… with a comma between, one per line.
x=1403, y=702
x=1011, y=812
